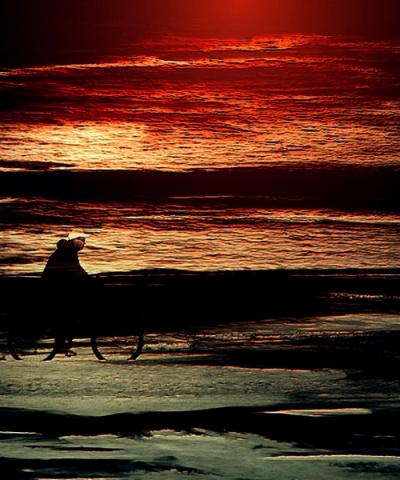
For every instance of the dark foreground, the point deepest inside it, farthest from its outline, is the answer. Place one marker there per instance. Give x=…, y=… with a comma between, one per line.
x=295, y=382
x=174, y=300
x=363, y=435
x=204, y=410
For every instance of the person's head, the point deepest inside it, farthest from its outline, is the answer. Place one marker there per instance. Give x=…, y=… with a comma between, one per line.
x=77, y=239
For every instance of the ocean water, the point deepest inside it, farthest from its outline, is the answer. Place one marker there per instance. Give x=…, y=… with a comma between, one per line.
x=205, y=154
x=276, y=154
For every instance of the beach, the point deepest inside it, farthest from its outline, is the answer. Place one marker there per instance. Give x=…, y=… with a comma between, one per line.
x=234, y=167
x=209, y=410
x=313, y=391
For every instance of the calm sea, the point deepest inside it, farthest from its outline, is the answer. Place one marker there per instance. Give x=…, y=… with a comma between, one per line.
x=209, y=154
x=206, y=154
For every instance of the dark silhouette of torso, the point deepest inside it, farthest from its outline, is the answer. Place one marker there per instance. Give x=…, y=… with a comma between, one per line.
x=68, y=291
x=63, y=267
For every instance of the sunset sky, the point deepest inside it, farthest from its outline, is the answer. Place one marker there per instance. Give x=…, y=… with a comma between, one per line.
x=30, y=26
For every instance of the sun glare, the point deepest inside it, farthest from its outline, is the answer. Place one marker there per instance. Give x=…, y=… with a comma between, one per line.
x=228, y=17
x=237, y=14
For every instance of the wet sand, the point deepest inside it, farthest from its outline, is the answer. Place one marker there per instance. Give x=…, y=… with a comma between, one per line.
x=195, y=406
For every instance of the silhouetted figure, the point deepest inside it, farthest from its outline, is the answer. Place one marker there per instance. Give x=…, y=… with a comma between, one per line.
x=63, y=266
x=68, y=290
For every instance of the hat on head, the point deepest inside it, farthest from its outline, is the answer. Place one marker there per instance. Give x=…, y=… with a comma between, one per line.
x=74, y=235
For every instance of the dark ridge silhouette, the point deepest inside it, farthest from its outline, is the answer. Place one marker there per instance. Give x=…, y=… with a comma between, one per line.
x=174, y=300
